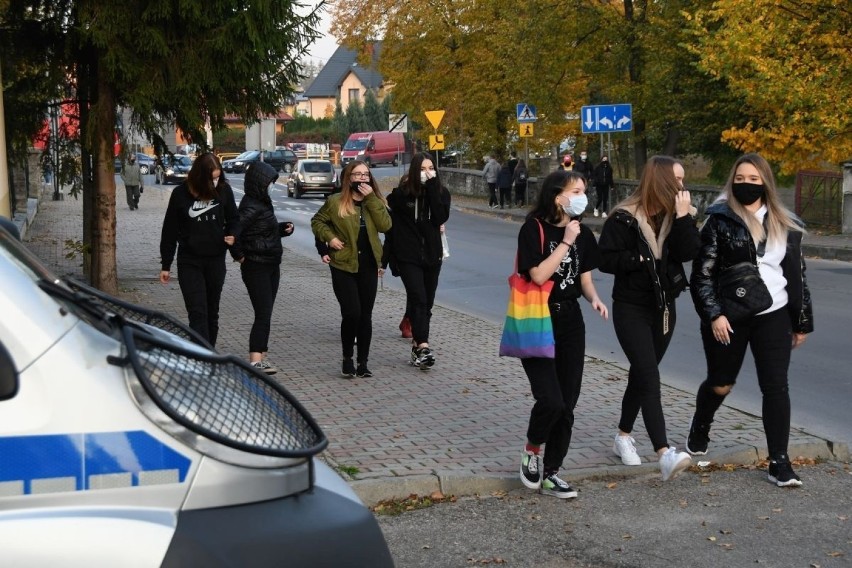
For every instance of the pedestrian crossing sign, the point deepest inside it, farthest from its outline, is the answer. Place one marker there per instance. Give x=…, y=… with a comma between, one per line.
x=526, y=113
x=526, y=130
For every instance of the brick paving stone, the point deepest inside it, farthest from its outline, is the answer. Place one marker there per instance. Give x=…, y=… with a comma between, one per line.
x=467, y=416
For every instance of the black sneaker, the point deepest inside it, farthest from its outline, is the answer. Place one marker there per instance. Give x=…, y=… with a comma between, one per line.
x=530, y=470
x=698, y=439
x=363, y=371
x=348, y=370
x=554, y=486
x=781, y=473
x=425, y=359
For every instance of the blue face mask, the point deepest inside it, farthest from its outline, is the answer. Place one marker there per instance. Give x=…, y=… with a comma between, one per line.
x=576, y=206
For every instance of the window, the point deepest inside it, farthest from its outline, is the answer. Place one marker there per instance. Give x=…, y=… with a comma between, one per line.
x=354, y=95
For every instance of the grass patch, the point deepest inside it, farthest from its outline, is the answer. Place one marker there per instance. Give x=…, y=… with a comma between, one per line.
x=349, y=470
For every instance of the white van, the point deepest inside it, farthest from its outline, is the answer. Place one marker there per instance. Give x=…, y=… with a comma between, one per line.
x=124, y=441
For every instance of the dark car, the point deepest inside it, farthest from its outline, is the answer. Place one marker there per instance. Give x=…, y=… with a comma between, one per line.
x=278, y=159
x=147, y=164
x=312, y=176
x=281, y=159
x=172, y=169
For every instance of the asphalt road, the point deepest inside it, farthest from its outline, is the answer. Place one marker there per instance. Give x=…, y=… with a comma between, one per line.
x=473, y=281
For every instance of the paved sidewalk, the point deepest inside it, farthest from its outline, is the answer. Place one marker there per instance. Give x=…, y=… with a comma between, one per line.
x=458, y=428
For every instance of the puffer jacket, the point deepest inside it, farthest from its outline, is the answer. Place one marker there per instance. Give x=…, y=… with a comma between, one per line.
x=260, y=234
x=651, y=281
x=725, y=241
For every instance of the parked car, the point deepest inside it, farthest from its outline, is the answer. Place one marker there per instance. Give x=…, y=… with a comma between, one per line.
x=125, y=444
x=147, y=164
x=376, y=148
x=278, y=159
x=172, y=169
x=226, y=156
x=312, y=176
x=230, y=166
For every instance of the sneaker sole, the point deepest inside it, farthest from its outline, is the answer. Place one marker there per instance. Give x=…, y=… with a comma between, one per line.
x=527, y=483
x=791, y=483
x=695, y=453
x=624, y=460
x=559, y=494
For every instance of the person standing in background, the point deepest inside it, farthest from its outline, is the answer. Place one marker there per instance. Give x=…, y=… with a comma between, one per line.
x=520, y=180
x=490, y=173
x=201, y=222
x=504, y=185
x=584, y=166
x=131, y=175
x=603, y=185
x=259, y=252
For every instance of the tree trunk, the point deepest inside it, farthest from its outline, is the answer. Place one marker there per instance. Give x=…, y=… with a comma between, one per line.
x=672, y=139
x=104, y=271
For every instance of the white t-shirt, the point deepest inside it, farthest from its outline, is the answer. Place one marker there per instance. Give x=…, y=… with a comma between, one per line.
x=770, y=268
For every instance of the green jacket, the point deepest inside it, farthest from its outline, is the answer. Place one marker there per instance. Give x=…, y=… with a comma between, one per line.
x=328, y=224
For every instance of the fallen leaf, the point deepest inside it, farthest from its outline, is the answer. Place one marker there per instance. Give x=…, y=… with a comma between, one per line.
x=835, y=554
x=764, y=518
x=814, y=565
x=684, y=502
x=842, y=518
x=436, y=496
x=777, y=510
x=426, y=547
x=726, y=545
x=626, y=536
x=726, y=531
x=711, y=538
x=612, y=485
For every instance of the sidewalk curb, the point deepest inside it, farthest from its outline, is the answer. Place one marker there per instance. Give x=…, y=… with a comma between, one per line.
x=373, y=491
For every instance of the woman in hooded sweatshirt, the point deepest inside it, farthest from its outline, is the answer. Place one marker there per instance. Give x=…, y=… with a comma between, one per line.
x=259, y=251
x=201, y=223
x=644, y=243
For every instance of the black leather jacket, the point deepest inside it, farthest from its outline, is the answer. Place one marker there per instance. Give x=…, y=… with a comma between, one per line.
x=647, y=282
x=725, y=241
x=260, y=234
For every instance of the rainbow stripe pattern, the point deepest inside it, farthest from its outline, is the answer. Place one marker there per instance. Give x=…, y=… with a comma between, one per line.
x=528, y=330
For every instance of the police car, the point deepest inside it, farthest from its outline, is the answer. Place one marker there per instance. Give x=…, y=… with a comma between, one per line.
x=125, y=441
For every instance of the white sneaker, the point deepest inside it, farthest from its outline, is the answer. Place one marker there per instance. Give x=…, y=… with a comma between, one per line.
x=597, y=212
x=624, y=447
x=603, y=215
x=673, y=462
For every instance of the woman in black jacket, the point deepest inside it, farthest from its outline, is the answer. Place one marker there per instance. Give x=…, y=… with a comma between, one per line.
x=750, y=212
x=419, y=207
x=259, y=252
x=201, y=222
x=644, y=243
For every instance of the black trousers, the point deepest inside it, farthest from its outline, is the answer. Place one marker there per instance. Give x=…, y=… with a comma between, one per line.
x=602, y=203
x=505, y=196
x=520, y=193
x=555, y=385
x=492, y=193
x=356, y=294
x=261, y=280
x=132, y=192
x=420, y=283
x=770, y=337
x=640, y=333
x=201, y=280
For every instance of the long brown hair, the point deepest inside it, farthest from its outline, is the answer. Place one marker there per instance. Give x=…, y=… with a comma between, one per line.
x=656, y=192
x=779, y=219
x=200, y=178
x=347, y=201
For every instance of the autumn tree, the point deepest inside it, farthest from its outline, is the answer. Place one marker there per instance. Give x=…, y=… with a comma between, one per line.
x=789, y=63
x=184, y=64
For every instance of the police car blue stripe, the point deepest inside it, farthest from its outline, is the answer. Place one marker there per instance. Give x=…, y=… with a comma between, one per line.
x=83, y=461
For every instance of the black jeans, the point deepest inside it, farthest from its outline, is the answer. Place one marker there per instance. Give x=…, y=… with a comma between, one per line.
x=201, y=279
x=505, y=196
x=132, y=192
x=771, y=339
x=640, y=333
x=602, y=203
x=356, y=294
x=492, y=193
x=555, y=385
x=261, y=280
x=420, y=283
x=520, y=193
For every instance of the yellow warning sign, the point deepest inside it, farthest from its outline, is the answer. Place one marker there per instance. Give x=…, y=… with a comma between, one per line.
x=435, y=117
x=526, y=129
x=436, y=141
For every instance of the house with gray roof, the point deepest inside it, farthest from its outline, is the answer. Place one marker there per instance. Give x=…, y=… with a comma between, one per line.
x=343, y=76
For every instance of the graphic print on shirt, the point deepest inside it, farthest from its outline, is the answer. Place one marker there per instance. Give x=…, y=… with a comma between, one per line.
x=201, y=210
x=569, y=266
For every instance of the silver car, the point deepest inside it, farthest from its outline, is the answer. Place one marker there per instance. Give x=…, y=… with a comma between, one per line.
x=312, y=176
x=125, y=441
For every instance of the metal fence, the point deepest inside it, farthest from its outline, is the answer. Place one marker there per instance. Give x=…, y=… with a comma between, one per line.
x=819, y=199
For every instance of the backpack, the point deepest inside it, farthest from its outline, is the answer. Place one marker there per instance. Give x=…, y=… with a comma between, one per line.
x=522, y=176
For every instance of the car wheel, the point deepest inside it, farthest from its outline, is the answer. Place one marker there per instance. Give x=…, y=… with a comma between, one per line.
x=395, y=162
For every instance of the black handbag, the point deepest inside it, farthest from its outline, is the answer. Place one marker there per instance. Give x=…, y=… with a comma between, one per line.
x=742, y=290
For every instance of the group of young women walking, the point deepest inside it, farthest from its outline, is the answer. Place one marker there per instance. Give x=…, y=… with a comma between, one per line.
x=644, y=243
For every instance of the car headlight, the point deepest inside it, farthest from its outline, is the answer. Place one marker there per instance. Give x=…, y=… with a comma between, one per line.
x=169, y=171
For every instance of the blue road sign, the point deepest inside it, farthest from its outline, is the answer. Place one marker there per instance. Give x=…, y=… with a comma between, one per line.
x=597, y=119
x=526, y=113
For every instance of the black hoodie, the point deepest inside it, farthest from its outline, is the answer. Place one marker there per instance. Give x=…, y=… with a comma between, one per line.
x=260, y=231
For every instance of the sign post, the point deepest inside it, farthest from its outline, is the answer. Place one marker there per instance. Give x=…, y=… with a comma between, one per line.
x=526, y=115
x=437, y=141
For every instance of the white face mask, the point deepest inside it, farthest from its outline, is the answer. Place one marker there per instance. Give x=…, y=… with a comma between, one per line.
x=423, y=177
x=576, y=206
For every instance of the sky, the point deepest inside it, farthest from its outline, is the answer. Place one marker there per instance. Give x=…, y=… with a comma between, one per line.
x=324, y=47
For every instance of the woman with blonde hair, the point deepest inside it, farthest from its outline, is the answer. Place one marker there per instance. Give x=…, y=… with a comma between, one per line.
x=644, y=243
x=350, y=222
x=749, y=226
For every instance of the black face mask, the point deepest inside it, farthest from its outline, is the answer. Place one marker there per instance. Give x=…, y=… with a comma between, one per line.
x=355, y=186
x=748, y=193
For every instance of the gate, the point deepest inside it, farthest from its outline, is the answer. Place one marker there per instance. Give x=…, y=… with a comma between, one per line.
x=819, y=199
